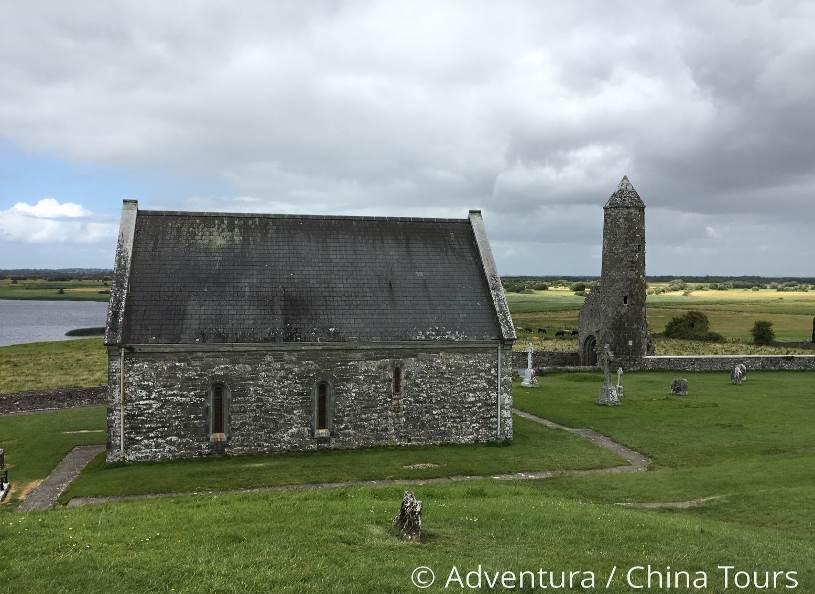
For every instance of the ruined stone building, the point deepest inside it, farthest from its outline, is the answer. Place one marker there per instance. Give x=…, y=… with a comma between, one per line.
x=254, y=333
x=614, y=310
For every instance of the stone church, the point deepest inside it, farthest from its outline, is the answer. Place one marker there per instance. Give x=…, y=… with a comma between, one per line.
x=614, y=311
x=256, y=333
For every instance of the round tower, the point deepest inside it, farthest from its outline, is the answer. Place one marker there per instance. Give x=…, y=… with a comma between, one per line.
x=623, y=273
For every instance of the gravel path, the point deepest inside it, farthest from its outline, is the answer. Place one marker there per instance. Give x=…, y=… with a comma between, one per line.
x=635, y=462
x=47, y=492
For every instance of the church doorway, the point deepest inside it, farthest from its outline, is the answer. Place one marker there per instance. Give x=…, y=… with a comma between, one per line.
x=589, y=354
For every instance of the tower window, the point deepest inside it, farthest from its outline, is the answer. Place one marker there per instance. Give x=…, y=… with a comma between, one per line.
x=625, y=300
x=397, y=380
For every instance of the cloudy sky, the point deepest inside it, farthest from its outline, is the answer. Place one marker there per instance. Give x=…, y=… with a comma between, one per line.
x=531, y=111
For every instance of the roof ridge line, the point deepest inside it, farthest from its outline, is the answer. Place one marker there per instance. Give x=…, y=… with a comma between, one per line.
x=298, y=216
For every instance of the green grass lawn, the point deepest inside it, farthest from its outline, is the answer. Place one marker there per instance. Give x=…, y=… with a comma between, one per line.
x=753, y=445
x=35, y=443
x=72, y=290
x=533, y=448
x=49, y=365
x=339, y=541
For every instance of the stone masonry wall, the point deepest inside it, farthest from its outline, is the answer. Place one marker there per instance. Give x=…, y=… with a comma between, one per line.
x=623, y=282
x=448, y=396
x=52, y=399
x=726, y=362
x=546, y=359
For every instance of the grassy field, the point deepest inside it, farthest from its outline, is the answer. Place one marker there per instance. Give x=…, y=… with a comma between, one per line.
x=339, y=541
x=48, y=365
x=751, y=446
x=533, y=448
x=71, y=290
x=732, y=314
x=35, y=443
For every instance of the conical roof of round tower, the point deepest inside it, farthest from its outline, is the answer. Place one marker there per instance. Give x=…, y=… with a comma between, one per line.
x=625, y=196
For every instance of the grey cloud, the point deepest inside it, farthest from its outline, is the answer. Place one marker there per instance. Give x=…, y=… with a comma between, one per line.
x=532, y=112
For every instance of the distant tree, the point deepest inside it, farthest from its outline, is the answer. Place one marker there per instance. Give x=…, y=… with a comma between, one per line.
x=692, y=325
x=763, y=332
x=60, y=291
x=14, y=281
x=577, y=287
x=540, y=287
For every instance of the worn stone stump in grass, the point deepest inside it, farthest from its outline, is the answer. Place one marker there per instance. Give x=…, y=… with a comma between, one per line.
x=679, y=386
x=743, y=368
x=4, y=483
x=736, y=376
x=408, y=523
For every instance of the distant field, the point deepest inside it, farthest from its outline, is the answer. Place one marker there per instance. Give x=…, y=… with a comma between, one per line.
x=732, y=314
x=48, y=365
x=72, y=290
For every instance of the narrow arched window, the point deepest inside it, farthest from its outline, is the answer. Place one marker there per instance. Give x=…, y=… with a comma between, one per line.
x=218, y=408
x=322, y=406
x=625, y=300
x=397, y=380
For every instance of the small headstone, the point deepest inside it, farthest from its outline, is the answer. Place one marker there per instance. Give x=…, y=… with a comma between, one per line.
x=408, y=524
x=679, y=386
x=736, y=376
x=743, y=369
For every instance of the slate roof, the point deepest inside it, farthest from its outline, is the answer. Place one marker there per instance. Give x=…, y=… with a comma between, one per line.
x=246, y=278
x=625, y=196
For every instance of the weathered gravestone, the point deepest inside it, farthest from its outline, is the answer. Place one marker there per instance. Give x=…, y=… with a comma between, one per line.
x=679, y=386
x=736, y=376
x=408, y=524
x=529, y=379
x=609, y=394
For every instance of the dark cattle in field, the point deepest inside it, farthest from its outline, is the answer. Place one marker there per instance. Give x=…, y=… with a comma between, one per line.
x=541, y=330
x=560, y=333
x=574, y=333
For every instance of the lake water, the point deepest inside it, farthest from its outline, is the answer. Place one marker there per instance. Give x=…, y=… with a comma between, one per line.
x=35, y=321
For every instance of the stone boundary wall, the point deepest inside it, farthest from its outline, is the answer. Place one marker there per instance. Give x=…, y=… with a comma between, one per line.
x=542, y=359
x=52, y=399
x=570, y=361
x=726, y=362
